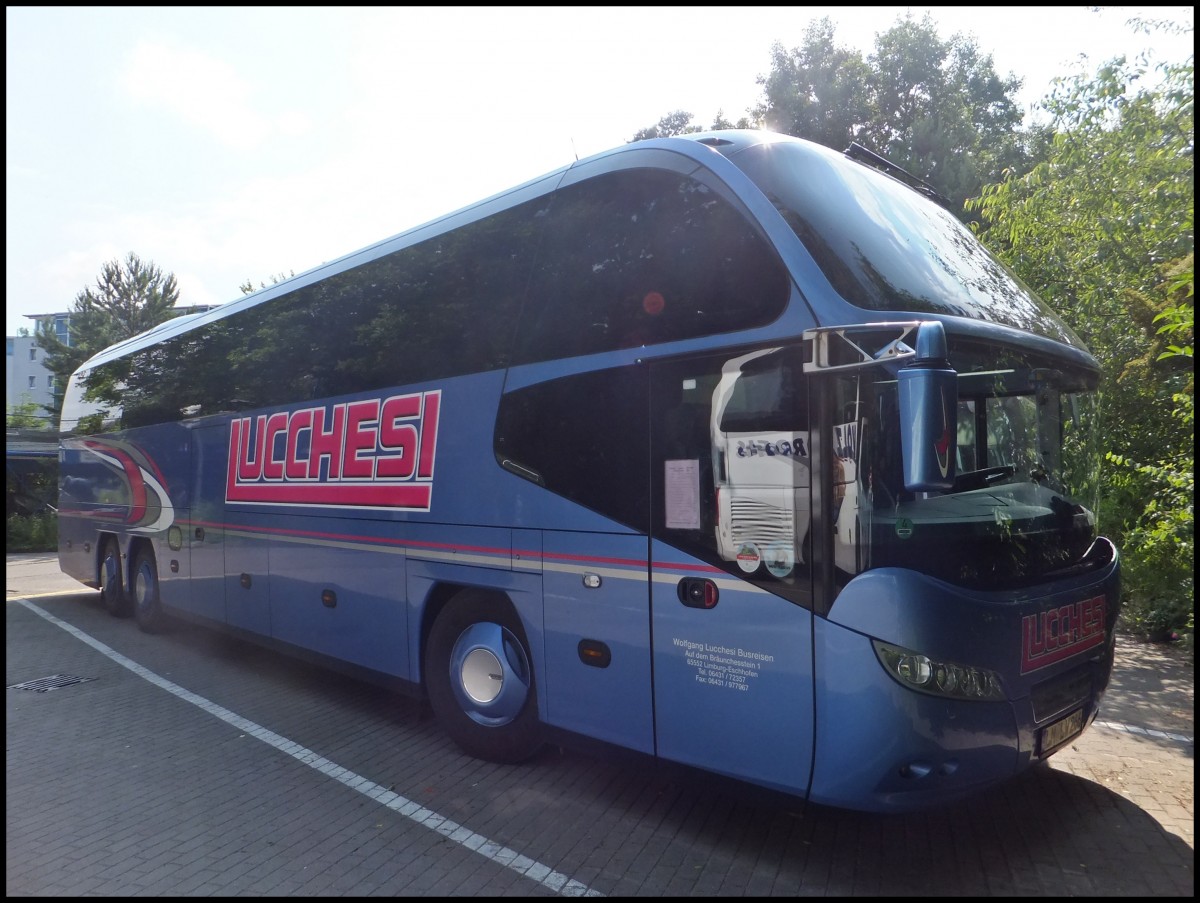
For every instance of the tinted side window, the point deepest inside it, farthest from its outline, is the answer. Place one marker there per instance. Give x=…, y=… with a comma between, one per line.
x=444, y=307
x=643, y=256
x=585, y=437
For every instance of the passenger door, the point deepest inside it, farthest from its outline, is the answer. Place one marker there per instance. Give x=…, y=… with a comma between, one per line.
x=732, y=621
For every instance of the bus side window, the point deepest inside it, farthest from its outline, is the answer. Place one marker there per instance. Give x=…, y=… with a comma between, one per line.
x=644, y=256
x=582, y=437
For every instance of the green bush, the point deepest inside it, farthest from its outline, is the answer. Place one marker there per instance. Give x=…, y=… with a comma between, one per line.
x=33, y=533
x=1158, y=580
x=1158, y=549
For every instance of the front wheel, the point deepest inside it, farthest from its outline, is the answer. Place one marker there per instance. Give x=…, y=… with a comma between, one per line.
x=479, y=678
x=147, y=603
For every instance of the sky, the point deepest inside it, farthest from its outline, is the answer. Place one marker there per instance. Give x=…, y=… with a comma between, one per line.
x=232, y=144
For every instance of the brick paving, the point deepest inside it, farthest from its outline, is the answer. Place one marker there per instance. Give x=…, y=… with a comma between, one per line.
x=118, y=787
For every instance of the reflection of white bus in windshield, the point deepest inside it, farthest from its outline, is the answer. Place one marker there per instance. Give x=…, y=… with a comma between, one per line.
x=656, y=450
x=761, y=466
x=761, y=469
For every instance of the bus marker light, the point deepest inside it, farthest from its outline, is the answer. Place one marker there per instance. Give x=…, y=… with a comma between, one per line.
x=594, y=653
x=915, y=770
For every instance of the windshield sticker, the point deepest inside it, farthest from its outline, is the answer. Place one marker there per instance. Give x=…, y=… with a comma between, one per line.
x=780, y=559
x=748, y=557
x=683, y=495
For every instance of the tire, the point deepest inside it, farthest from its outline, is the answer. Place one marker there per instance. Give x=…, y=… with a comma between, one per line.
x=112, y=584
x=144, y=592
x=479, y=677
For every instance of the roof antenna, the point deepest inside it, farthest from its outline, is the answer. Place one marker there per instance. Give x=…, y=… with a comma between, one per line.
x=575, y=152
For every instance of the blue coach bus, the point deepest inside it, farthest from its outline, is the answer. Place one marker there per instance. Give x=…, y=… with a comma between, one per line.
x=728, y=448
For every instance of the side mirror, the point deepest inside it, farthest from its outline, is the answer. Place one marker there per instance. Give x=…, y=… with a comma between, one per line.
x=928, y=390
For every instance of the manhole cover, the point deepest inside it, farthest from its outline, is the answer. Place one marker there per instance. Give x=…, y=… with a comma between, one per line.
x=42, y=684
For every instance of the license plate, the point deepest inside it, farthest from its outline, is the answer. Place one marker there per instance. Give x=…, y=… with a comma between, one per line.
x=1059, y=732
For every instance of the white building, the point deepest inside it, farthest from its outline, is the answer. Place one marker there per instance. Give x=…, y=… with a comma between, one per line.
x=26, y=378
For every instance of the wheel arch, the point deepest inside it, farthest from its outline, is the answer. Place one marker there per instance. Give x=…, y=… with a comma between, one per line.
x=136, y=545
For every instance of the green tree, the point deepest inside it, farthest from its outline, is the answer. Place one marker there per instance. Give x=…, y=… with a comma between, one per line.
x=678, y=122
x=24, y=416
x=1104, y=229
x=720, y=122
x=129, y=297
x=818, y=91
x=247, y=287
x=935, y=107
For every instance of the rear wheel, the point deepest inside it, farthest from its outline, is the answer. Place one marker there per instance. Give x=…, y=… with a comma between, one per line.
x=147, y=604
x=112, y=586
x=480, y=678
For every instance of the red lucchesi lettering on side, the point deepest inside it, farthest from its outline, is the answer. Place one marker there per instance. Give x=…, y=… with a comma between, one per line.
x=374, y=453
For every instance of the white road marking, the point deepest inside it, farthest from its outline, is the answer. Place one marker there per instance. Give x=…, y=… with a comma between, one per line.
x=510, y=859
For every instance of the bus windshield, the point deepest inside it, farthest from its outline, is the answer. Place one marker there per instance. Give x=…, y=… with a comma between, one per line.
x=882, y=246
x=1022, y=505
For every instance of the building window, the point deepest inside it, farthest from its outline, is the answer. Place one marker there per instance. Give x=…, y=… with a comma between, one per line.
x=33, y=382
x=33, y=353
x=50, y=381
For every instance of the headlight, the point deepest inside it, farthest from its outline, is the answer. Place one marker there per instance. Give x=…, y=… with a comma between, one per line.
x=939, y=678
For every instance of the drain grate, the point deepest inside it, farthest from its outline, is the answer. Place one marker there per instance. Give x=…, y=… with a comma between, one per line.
x=42, y=684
